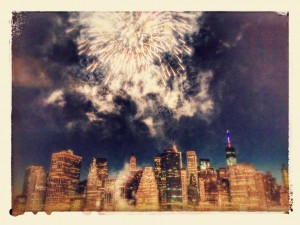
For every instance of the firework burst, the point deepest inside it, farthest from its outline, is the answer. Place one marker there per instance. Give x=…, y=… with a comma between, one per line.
x=130, y=43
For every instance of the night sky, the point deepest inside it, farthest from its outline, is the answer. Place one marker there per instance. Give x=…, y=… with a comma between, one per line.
x=237, y=76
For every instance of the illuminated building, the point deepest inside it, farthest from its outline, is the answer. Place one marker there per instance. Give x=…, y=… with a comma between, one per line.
x=18, y=205
x=272, y=190
x=62, y=180
x=192, y=178
x=95, y=188
x=223, y=192
x=261, y=190
x=79, y=200
x=169, y=180
x=285, y=176
x=147, y=192
x=184, y=187
x=109, y=194
x=208, y=187
x=230, y=152
x=284, y=190
x=35, y=188
x=204, y=164
x=222, y=173
x=284, y=198
x=160, y=180
x=102, y=168
x=132, y=164
x=243, y=190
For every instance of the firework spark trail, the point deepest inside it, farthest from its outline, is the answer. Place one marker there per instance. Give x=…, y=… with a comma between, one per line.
x=129, y=43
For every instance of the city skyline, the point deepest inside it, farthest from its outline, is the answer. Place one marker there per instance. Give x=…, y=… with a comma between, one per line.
x=165, y=186
x=235, y=78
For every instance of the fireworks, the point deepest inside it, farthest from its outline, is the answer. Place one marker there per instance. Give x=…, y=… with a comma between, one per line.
x=130, y=43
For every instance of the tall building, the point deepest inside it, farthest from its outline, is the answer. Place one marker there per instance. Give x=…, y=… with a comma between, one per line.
x=102, y=168
x=169, y=179
x=93, y=189
x=132, y=164
x=204, y=164
x=243, y=190
x=109, y=196
x=208, y=187
x=285, y=176
x=191, y=164
x=230, y=152
x=192, y=177
x=62, y=180
x=160, y=180
x=147, y=192
x=35, y=188
x=184, y=187
x=261, y=190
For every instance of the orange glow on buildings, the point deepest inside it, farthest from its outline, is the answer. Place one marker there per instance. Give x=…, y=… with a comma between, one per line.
x=147, y=192
x=35, y=188
x=62, y=180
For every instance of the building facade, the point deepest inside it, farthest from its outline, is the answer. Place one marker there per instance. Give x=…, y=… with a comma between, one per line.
x=35, y=188
x=62, y=180
x=147, y=192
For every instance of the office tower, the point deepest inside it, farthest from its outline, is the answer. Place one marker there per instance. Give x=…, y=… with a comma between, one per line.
x=285, y=176
x=79, y=200
x=62, y=180
x=184, y=187
x=171, y=178
x=160, y=180
x=95, y=185
x=102, y=168
x=208, y=188
x=230, y=152
x=132, y=164
x=223, y=193
x=284, y=198
x=261, y=190
x=191, y=163
x=222, y=173
x=204, y=164
x=272, y=190
x=192, y=177
x=109, y=194
x=19, y=204
x=35, y=188
x=147, y=192
x=243, y=190
x=169, y=181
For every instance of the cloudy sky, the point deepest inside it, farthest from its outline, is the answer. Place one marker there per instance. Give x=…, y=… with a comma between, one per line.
x=235, y=78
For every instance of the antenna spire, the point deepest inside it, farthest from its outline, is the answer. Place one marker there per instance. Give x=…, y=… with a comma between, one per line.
x=228, y=138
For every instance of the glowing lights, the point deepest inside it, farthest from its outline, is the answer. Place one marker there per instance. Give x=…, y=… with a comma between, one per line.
x=129, y=43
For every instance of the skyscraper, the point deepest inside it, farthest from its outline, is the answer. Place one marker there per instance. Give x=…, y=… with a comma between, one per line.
x=243, y=186
x=184, y=187
x=285, y=176
x=169, y=181
x=35, y=188
x=102, y=168
x=93, y=189
x=132, y=164
x=230, y=152
x=192, y=178
x=62, y=180
x=204, y=164
x=147, y=192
